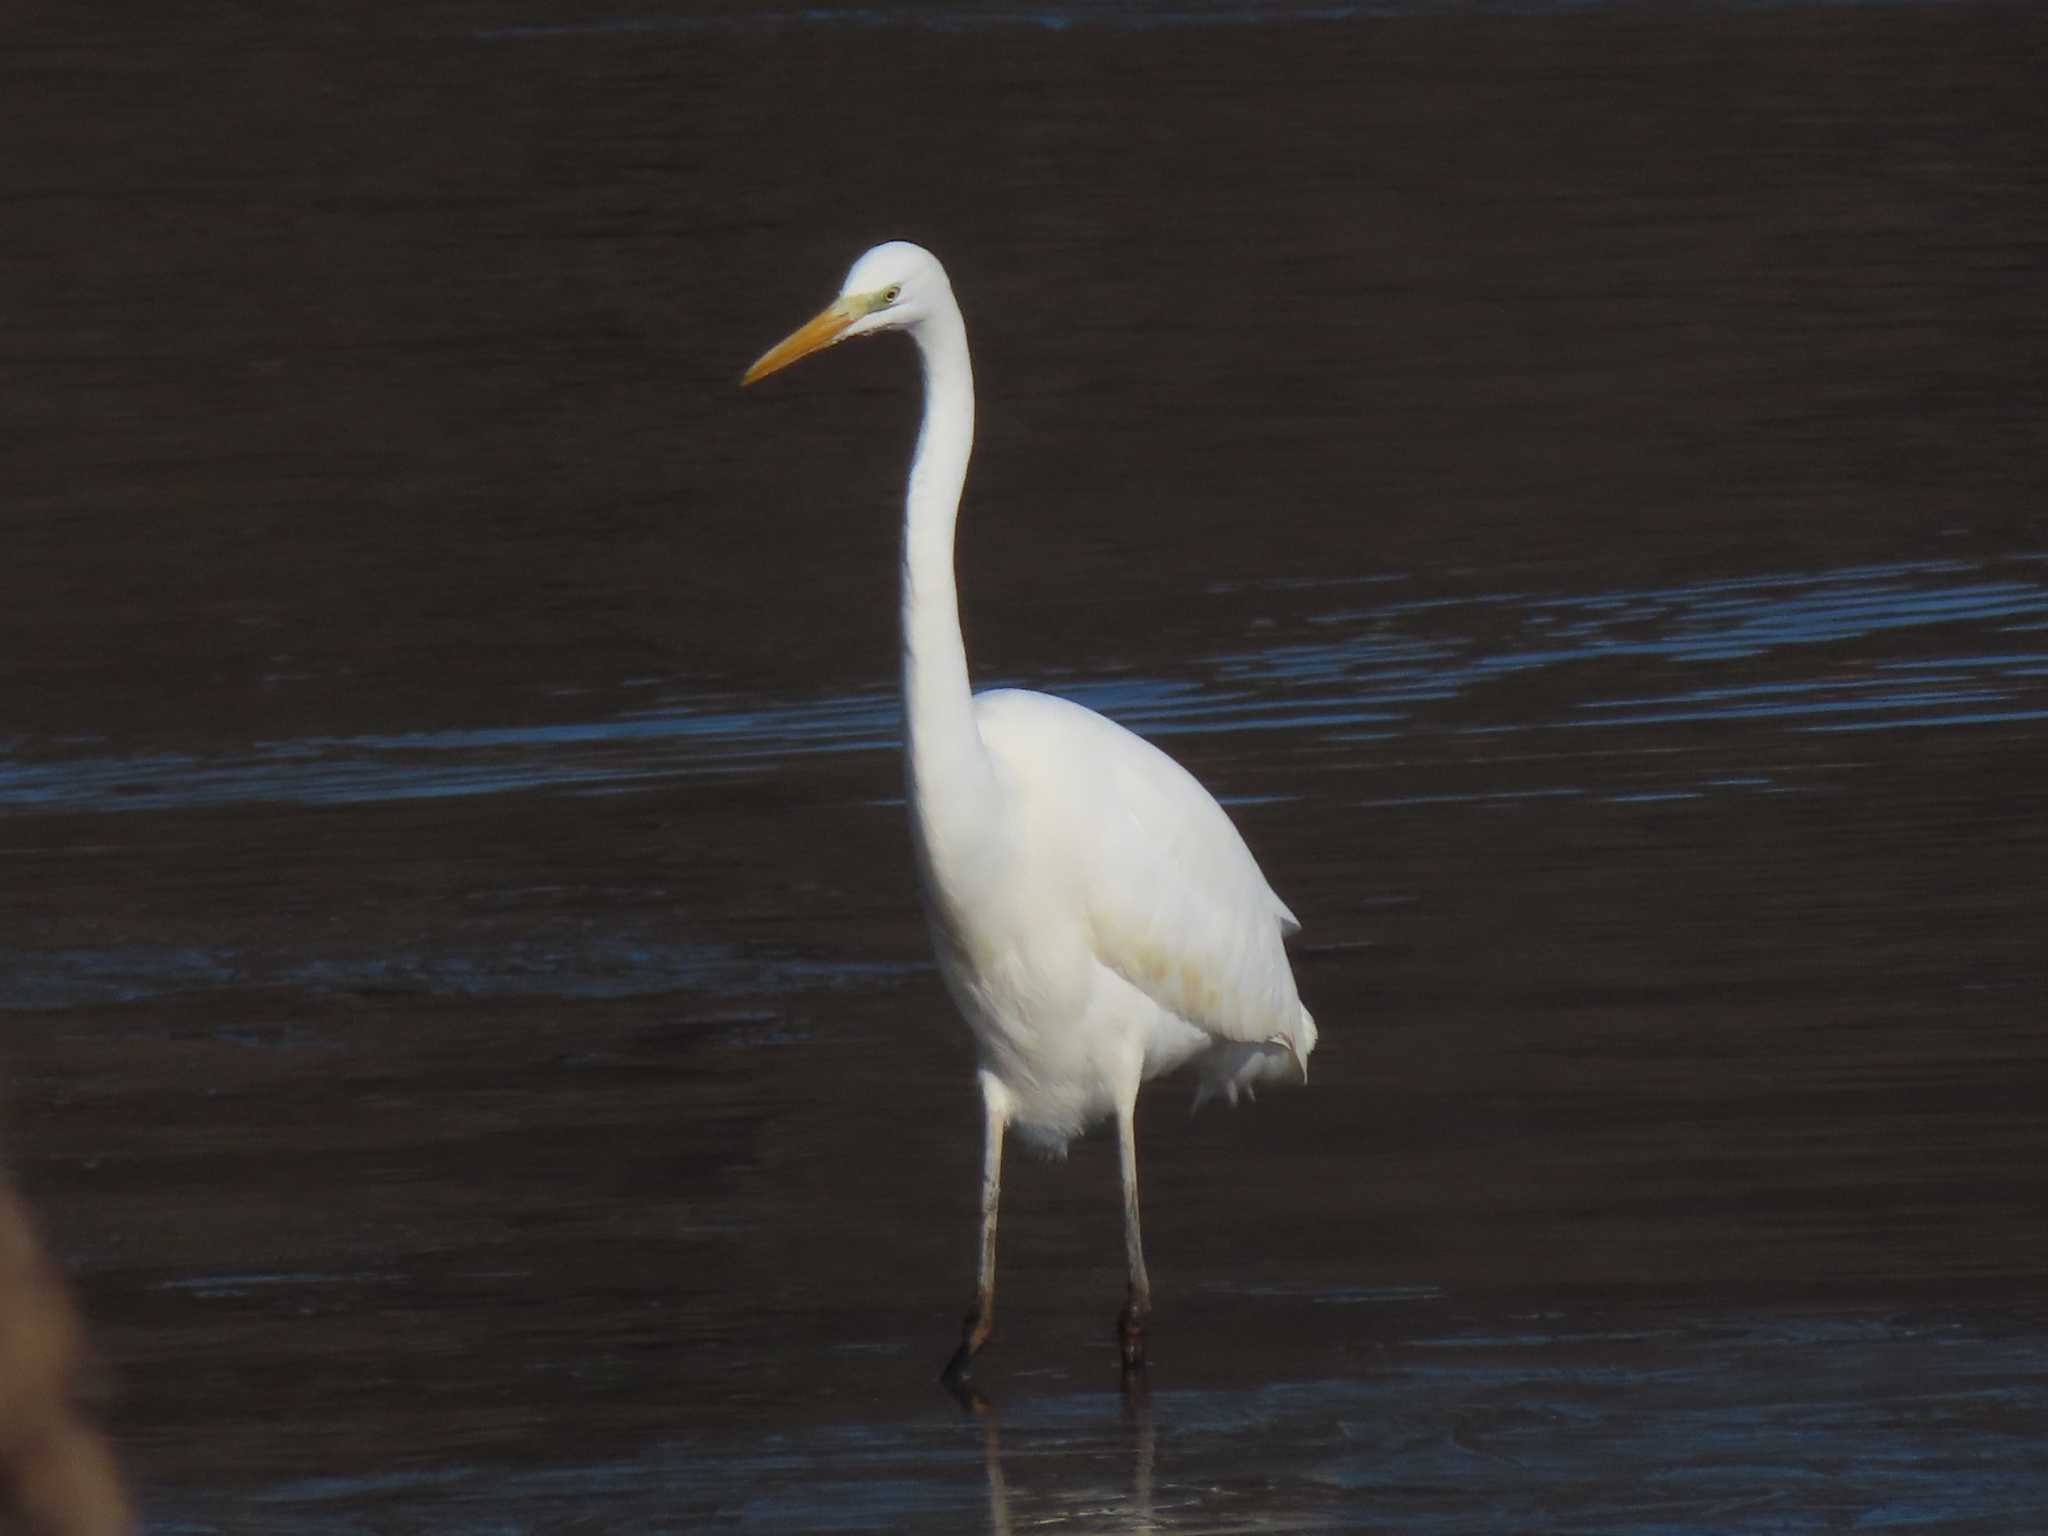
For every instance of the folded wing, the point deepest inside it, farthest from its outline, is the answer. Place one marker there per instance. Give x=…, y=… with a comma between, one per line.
x=1175, y=903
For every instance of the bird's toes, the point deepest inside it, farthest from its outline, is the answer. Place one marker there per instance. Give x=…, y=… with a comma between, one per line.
x=1130, y=1335
x=975, y=1331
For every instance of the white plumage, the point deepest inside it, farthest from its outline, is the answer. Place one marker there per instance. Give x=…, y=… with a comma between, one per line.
x=1096, y=916
x=1117, y=844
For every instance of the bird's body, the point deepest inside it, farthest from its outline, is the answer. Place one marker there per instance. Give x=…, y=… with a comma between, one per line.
x=1097, y=917
x=1109, y=926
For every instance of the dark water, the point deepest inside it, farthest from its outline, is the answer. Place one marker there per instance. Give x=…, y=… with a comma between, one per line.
x=1571, y=479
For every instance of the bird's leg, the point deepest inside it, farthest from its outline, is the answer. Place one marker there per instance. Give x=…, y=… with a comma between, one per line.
x=981, y=1321
x=1130, y=1323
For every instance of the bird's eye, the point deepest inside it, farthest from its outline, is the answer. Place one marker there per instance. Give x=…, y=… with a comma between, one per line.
x=892, y=293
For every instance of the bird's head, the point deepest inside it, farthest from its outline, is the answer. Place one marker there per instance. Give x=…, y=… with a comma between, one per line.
x=891, y=288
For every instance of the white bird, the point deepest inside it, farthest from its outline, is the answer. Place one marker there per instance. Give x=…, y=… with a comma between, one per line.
x=1096, y=916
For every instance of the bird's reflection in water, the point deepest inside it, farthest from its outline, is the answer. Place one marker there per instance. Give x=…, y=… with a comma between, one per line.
x=1131, y=1513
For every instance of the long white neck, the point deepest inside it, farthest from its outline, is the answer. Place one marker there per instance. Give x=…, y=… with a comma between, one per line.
x=952, y=786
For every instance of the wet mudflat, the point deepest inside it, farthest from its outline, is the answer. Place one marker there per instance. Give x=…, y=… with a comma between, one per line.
x=1573, y=483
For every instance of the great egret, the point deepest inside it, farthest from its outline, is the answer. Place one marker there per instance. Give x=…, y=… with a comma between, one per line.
x=1096, y=916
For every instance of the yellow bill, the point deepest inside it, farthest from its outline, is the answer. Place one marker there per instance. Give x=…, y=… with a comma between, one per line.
x=820, y=331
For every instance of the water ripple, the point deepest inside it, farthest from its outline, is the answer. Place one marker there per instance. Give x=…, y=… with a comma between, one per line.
x=1005, y=16
x=1923, y=645
x=1701, y=1425
x=569, y=965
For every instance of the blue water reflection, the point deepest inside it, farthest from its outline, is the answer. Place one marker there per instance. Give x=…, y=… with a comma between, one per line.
x=1672, y=1425
x=1920, y=645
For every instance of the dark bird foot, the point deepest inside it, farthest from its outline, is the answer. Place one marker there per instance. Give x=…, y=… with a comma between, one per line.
x=954, y=1380
x=1130, y=1334
x=974, y=1333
